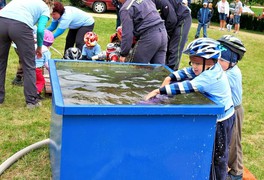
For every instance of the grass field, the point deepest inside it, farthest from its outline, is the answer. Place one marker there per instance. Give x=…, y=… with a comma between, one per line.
x=20, y=127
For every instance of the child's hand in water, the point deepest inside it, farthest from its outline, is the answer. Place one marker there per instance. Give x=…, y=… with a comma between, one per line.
x=152, y=94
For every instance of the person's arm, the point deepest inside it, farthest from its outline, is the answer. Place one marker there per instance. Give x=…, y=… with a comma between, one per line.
x=166, y=81
x=219, y=4
x=46, y=59
x=97, y=49
x=173, y=89
x=53, y=26
x=58, y=32
x=178, y=76
x=240, y=9
x=227, y=6
x=40, y=34
x=84, y=55
x=183, y=74
x=127, y=34
x=199, y=15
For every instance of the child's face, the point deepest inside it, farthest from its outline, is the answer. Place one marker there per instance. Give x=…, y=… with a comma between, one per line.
x=197, y=65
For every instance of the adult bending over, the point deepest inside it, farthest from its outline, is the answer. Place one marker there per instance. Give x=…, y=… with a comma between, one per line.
x=17, y=19
x=78, y=22
x=142, y=20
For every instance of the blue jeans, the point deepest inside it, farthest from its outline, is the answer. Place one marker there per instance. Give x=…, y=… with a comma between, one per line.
x=204, y=26
x=236, y=19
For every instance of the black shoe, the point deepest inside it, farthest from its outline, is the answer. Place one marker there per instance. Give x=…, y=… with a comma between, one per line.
x=196, y=37
x=234, y=177
x=39, y=97
x=17, y=81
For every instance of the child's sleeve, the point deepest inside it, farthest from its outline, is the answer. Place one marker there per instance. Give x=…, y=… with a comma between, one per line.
x=47, y=56
x=97, y=49
x=184, y=87
x=84, y=53
x=183, y=74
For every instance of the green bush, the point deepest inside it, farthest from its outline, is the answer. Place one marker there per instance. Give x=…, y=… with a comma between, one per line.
x=77, y=3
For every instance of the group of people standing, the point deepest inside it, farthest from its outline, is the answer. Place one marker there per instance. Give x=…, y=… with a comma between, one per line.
x=161, y=35
x=226, y=18
x=225, y=15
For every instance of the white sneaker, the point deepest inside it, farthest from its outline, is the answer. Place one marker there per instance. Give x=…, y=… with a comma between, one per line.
x=33, y=106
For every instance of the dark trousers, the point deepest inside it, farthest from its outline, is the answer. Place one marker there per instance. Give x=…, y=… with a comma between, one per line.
x=118, y=20
x=75, y=37
x=177, y=42
x=21, y=34
x=151, y=47
x=19, y=73
x=221, y=148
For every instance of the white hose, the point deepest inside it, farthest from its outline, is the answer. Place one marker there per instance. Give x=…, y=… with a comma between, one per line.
x=5, y=165
x=56, y=50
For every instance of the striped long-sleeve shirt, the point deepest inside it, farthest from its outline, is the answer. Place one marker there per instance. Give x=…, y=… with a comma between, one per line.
x=213, y=83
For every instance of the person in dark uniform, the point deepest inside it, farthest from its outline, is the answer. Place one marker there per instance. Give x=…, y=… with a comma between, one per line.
x=117, y=5
x=180, y=35
x=168, y=14
x=141, y=19
x=177, y=32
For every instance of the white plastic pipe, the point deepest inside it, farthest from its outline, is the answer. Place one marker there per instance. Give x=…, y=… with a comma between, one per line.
x=56, y=50
x=5, y=165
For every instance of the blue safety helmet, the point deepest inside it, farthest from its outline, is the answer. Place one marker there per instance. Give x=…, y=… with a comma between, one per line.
x=204, y=47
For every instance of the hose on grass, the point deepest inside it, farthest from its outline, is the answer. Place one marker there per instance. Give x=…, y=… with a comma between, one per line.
x=5, y=165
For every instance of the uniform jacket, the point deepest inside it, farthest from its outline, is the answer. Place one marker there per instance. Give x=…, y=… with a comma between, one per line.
x=168, y=14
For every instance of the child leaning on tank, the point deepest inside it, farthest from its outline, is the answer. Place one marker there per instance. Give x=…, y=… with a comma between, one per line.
x=207, y=77
x=233, y=52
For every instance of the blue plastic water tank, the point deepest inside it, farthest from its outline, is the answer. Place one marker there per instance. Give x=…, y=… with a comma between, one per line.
x=124, y=141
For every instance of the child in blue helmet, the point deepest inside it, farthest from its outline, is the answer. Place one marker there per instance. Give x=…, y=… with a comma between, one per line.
x=234, y=51
x=206, y=76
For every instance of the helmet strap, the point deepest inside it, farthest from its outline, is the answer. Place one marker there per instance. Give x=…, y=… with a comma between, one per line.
x=203, y=64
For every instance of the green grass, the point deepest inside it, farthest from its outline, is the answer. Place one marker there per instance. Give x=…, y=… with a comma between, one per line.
x=20, y=127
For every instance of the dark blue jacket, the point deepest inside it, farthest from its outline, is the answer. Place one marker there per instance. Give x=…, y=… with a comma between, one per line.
x=168, y=14
x=181, y=10
x=204, y=15
x=2, y=4
x=137, y=17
